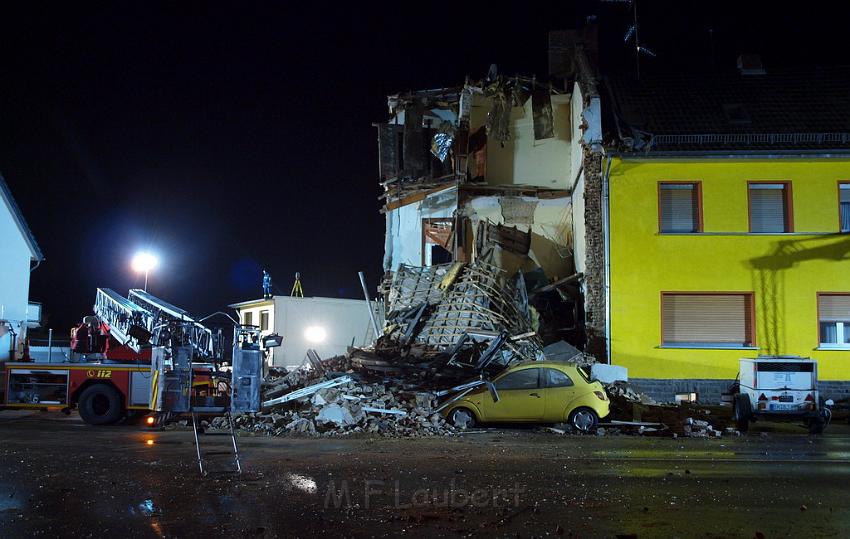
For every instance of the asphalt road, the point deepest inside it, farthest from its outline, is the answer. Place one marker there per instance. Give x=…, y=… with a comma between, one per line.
x=60, y=478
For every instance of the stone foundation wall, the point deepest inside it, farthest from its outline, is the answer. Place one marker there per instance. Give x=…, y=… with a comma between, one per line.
x=709, y=391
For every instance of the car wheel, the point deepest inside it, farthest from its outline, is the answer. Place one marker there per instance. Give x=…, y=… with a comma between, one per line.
x=742, y=412
x=583, y=419
x=462, y=418
x=100, y=404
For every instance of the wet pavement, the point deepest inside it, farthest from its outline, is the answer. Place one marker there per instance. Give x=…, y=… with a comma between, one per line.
x=60, y=477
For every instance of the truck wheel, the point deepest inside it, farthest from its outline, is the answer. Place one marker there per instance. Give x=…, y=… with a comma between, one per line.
x=100, y=404
x=742, y=412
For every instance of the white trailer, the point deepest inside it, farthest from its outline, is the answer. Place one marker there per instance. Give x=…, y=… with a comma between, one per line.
x=779, y=387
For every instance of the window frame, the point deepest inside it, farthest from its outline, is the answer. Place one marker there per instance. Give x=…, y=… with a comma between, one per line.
x=425, y=242
x=789, y=205
x=840, y=183
x=698, y=188
x=831, y=346
x=751, y=311
x=267, y=320
x=248, y=318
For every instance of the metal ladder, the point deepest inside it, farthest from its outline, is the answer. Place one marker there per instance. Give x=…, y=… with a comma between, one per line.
x=200, y=454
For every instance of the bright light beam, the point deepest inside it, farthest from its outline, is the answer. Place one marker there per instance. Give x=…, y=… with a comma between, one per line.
x=144, y=262
x=315, y=334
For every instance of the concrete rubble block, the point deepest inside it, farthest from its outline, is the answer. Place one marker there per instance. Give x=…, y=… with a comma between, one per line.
x=608, y=374
x=336, y=414
x=301, y=425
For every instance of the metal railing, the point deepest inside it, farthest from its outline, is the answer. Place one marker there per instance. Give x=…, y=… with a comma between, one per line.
x=751, y=139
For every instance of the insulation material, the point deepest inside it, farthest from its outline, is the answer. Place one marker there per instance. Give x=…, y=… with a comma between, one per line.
x=541, y=106
x=517, y=210
x=441, y=142
x=499, y=118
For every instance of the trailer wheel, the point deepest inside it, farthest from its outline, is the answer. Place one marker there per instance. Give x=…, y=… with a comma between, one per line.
x=742, y=412
x=100, y=404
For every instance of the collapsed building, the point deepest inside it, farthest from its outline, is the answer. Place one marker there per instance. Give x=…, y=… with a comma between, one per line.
x=495, y=172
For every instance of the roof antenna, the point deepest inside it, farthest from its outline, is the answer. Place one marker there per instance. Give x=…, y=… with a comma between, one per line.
x=632, y=32
x=711, y=44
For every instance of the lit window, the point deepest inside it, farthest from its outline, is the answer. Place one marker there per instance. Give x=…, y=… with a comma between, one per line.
x=770, y=207
x=834, y=320
x=679, y=207
x=844, y=206
x=709, y=320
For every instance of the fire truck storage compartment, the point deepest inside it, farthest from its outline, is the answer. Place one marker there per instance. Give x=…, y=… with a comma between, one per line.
x=140, y=387
x=38, y=386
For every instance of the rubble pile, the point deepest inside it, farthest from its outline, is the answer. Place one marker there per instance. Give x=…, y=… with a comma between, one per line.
x=348, y=408
x=447, y=323
x=622, y=390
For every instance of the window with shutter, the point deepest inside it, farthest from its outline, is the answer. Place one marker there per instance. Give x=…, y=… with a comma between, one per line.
x=770, y=207
x=844, y=206
x=679, y=208
x=834, y=320
x=704, y=319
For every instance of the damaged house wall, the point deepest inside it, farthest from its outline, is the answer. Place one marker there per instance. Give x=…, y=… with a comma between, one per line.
x=550, y=224
x=523, y=160
x=404, y=229
x=509, y=151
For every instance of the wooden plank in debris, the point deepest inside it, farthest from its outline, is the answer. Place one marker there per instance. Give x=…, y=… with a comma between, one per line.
x=417, y=196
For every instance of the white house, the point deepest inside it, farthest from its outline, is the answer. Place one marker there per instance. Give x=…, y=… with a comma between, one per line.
x=327, y=325
x=19, y=255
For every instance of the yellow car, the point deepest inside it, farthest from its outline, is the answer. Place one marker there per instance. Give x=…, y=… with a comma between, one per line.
x=534, y=391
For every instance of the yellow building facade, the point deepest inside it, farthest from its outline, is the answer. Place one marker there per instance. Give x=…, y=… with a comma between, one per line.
x=688, y=304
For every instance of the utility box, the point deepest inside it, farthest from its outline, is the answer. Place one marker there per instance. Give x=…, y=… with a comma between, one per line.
x=247, y=373
x=172, y=377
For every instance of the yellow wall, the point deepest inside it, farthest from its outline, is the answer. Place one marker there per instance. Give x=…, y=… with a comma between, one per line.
x=784, y=271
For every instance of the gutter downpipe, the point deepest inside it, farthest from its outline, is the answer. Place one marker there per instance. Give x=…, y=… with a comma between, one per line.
x=606, y=237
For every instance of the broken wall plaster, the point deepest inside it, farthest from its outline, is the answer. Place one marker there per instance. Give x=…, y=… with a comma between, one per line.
x=550, y=227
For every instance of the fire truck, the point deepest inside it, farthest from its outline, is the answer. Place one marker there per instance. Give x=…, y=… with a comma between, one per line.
x=119, y=361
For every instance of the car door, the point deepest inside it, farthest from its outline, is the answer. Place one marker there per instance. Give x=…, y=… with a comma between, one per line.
x=559, y=390
x=520, y=397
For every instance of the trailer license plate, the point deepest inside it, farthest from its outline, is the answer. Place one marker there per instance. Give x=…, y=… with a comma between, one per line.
x=786, y=398
x=782, y=407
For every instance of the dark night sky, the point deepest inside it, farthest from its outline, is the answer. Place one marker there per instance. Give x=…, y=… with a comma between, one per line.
x=232, y=137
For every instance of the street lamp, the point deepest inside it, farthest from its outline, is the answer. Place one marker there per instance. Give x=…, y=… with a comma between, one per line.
x=144, y=262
